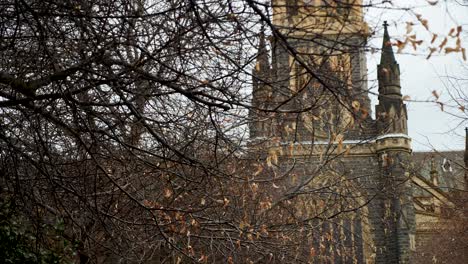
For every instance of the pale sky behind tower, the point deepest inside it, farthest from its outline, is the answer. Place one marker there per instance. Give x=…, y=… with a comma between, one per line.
x=429, y=127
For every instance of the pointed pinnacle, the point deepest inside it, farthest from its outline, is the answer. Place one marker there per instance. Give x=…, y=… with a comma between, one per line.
x=262, y=55
x=433, y=166
x=387, y=57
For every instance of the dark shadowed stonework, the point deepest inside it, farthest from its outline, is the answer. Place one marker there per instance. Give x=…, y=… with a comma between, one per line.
x=324, y=133
x=355, y=176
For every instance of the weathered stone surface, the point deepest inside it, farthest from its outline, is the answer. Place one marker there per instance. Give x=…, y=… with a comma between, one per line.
x=323, y=132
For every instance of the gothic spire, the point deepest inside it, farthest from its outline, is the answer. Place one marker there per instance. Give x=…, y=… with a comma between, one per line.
x=388, y=69
x=391, y=109
x=262, y=64
x=387, y=58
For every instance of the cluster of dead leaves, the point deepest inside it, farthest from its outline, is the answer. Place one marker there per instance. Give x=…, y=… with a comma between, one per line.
x=412, y=40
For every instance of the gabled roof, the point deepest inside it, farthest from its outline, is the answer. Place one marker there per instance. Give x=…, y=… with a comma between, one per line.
x=449, y=166
x=436, y=175
x=435, y=191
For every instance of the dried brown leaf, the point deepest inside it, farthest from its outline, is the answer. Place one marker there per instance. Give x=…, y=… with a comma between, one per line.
x=259, y=170
x=364, y=113
x=401, y=45
x=450, y=50
x=225, y=202
x=167, y=193
x=425, y=23
x=444, y=42
x=459, y=30
x=452, y=30
x=409, y=27
x=254, y=187
x=431, y=51
x=416, y=43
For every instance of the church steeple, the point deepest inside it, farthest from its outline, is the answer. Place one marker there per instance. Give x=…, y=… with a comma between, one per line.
x=394, y=144
x=388, y=70
x=391, y=111
x=261, y=89
x=388, y=58
x=262, y=65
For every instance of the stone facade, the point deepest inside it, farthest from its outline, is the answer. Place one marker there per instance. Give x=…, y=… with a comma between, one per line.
x=439, y=196
x=311, y=113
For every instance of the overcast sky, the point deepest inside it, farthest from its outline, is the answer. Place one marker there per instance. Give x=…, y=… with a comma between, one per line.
x=428, y=125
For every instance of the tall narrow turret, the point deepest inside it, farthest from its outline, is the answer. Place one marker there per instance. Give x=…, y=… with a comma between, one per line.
x=261, y=89
x=262, y=67
x=391, y=111
x=394, y=148
x=387, y=58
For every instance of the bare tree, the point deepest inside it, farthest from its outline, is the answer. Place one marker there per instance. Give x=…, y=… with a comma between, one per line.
x=128, y=121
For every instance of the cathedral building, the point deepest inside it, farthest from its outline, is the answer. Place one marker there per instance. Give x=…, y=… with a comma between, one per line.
x=312, y=121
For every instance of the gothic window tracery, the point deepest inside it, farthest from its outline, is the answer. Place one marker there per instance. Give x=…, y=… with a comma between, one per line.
x=325, y=118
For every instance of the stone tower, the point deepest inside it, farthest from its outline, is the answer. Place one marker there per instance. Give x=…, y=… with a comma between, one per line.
x=310, y=101
x=394, y=151
x=317, y=63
